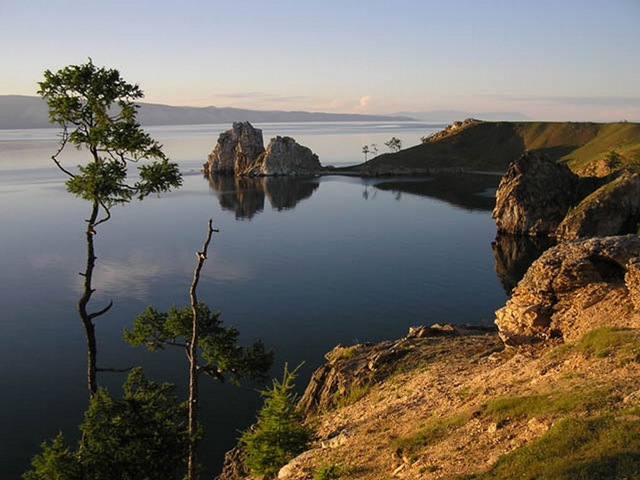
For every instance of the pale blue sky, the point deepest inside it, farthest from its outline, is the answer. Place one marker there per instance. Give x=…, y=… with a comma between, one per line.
x=548, y=59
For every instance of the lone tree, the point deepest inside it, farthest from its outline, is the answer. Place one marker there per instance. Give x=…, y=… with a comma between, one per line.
x=210, y=347
x=394, y=144
x=95, y=109
x=366, y=151
x=279, y=433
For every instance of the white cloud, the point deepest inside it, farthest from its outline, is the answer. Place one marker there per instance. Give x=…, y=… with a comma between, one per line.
x=364, y=102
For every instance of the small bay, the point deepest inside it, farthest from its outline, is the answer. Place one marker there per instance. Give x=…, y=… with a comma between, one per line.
x=303, y=264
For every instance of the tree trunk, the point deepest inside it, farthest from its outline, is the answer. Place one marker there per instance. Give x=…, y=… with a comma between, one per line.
x=85, y=317
x=192, y=463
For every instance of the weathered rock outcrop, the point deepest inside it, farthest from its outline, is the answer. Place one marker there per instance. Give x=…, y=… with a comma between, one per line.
x=540, y=197
x=612, y=209
x=285, y=156
x=240, y=151
x=237, y=149
x=573, y=288
x=534, y=196
x=353, y=368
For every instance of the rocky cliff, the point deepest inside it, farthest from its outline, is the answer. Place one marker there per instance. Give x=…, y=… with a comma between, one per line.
x=540, y=197
x=534, y=196
x=572, y=288
x=240, y=151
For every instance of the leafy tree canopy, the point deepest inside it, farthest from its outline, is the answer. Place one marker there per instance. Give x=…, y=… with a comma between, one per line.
x=220, y=353
x=95, y=109
x=140, y=436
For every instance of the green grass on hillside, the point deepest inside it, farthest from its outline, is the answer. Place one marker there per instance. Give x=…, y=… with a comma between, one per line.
x=604, y=447
x=491, y=146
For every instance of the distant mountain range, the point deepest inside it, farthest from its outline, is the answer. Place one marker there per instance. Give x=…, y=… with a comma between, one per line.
x=449, y=116
x=19, y=111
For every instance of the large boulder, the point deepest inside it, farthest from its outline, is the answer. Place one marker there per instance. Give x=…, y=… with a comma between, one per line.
x=572, y=288
x=612, y=209
x=237, y=150
x=285, y=156
x=534, y=195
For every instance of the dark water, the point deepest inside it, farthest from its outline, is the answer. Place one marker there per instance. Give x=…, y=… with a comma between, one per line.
x=302, y=264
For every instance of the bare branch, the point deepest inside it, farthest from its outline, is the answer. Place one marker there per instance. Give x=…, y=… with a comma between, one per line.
x=101, y=312
x=115, y=370
x=54, y=157
x=105, y=219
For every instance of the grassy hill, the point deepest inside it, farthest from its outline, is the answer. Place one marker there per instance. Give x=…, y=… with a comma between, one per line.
x=490, y=146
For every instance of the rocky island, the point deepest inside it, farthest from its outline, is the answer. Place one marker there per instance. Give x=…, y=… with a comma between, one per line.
x=240, y=151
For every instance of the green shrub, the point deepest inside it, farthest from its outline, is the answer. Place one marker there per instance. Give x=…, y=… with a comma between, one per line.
x=279, y=434
x=329, y=471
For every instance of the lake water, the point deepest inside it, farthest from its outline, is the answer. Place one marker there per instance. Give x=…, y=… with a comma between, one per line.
x=302, y=264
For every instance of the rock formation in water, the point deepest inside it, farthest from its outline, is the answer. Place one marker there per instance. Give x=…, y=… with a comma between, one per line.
x=237, y=149
x=573, y=288
x=285, y=156
x=540, y=197
x=240, y=151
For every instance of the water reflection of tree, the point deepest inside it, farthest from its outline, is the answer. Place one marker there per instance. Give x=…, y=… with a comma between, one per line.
x=245, y=195
x=514, y=254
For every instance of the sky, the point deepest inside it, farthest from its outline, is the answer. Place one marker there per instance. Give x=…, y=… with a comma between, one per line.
x=546, y=59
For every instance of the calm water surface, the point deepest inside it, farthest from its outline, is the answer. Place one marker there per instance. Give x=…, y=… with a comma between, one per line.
x=301, y=264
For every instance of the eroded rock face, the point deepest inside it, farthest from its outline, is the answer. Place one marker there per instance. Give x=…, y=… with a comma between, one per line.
x=534, y=195
x=285, y=156
x=240, y=152
x=350, y=368
x=573, y=288
x=612, y=209
x=539, y=197
x=237, y=150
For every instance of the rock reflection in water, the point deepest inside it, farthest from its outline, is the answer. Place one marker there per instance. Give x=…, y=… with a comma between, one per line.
x=514, y=254
x=469, y=191
x=245, y=195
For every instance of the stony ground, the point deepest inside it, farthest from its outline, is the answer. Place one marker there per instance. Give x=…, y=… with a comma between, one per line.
x=443, y=388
